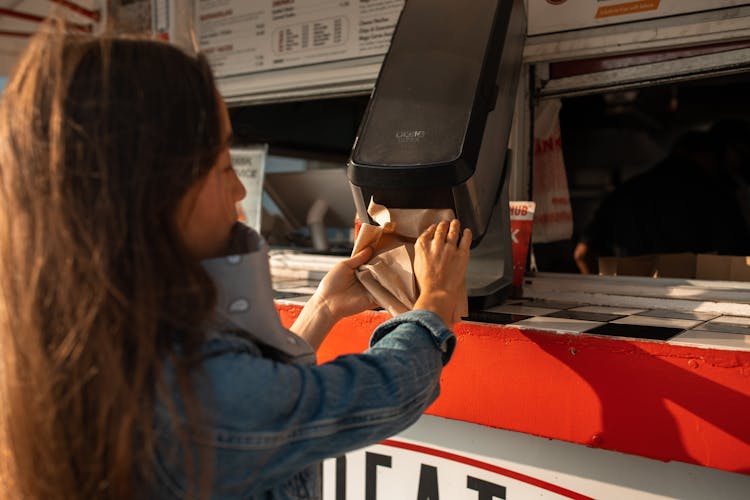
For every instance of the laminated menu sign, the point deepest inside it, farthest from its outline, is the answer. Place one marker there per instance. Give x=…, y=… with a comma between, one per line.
x=547, y=16
x=250, y=163
x=242, y=37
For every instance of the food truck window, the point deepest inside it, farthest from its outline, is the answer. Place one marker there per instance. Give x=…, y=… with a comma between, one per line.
x=305, y=188
x=608, y=139
x=665, y=165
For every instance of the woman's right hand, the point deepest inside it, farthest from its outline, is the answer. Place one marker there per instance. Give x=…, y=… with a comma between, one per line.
x=440, y=261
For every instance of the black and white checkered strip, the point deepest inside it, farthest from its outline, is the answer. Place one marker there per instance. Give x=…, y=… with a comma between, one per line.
x=690, y=328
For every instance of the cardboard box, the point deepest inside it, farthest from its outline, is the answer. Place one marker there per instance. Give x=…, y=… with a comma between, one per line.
x=722, y=267
x=679, y=265
x=627, y=266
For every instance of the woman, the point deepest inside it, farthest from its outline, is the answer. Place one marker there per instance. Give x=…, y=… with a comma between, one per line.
x=118, y=372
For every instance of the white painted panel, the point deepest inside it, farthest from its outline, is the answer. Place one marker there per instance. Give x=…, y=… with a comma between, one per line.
x=704, y=28
x=547, y=16
x=11, y=47
x=528, y=467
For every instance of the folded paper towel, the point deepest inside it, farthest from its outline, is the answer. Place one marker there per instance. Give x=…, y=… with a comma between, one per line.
x=389, y=275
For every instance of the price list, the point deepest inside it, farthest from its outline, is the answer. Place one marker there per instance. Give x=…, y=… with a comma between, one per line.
x=242, y=37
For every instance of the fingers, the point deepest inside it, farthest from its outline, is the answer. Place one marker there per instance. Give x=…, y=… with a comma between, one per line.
x=453, y=232
x=444, y=231
x=428, y=233
x=465, y=240
x=360, y=258
x=441, y=231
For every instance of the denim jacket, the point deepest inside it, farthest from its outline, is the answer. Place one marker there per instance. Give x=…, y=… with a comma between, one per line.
x=271, y=417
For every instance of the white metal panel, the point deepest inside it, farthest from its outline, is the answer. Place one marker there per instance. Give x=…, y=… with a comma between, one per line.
x=307, y=82
x=520, y=140
x=561, y=15
x=528, y=467
x=688, y=68
x=11, y=47
x=706, y=28
x=719, y=26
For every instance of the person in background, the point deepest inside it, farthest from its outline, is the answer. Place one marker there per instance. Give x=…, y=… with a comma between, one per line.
x=734, y=157
x=683, y=204
x=141, y=351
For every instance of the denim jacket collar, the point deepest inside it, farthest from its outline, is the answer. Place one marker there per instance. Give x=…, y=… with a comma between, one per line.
x=245, y=299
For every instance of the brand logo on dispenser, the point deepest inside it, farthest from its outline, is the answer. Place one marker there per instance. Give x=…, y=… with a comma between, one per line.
x=410, y=135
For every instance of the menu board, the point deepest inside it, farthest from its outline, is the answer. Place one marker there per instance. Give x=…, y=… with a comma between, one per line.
x=242, y=37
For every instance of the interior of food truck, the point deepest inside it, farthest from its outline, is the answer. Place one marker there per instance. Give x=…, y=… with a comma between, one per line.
x=610, y=138
x=607, y=137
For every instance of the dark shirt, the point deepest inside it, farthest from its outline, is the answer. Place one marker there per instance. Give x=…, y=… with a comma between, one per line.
x=674, y=207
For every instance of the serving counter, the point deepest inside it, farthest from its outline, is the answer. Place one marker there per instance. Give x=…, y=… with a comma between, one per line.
x=584, y=387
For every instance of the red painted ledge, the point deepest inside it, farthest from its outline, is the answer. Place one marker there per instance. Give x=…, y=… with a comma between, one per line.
x=650, y=399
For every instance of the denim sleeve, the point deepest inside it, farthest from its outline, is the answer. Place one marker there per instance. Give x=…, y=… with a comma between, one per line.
x=269, y=420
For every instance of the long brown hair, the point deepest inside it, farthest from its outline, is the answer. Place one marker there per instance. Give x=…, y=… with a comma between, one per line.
x=99, y=139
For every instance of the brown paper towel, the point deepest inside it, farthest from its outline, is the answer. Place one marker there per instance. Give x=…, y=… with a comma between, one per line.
x=389, y=275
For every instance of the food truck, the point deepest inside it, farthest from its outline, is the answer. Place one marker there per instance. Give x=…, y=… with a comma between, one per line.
x=563, y=385
x=573, y=386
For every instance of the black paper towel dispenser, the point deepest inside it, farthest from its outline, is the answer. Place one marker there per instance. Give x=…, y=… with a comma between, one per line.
x=436, y=129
